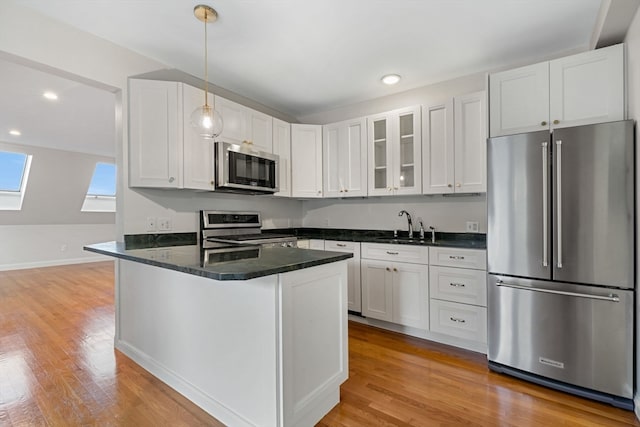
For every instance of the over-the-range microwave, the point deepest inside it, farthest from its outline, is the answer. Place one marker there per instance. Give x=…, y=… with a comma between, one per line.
x=240, y=168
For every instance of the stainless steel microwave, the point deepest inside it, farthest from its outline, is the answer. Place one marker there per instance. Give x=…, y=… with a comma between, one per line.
x=240, y=168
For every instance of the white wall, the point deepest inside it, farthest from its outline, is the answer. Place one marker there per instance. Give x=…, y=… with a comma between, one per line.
x=51, y=229
x=633, y=92
x=31, y=246
x=443, y=213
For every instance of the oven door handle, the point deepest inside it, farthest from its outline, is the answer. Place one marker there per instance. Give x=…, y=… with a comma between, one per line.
x=610, y=297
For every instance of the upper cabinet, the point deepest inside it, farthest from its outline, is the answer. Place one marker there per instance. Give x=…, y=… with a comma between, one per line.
x=454, y=145
x=579, y=89
x=164, y=151
x=243, y=124
x=306, y=161
x=344, y=158
x=394, y=145
x=282, y=147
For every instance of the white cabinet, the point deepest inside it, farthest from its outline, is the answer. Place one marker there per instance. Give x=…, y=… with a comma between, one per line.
x=454, y=146
x=245, y=125
x=344, y=158
x=458, y=293
x=282, y=147
x=164, y=151
x=394, y=146
x=392, y=290
x=306, y=161
x=354, y=292
x=574, y=90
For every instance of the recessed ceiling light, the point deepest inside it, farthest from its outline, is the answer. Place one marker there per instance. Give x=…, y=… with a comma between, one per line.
x=50, y=95
x=391, y=79
x=15, y=132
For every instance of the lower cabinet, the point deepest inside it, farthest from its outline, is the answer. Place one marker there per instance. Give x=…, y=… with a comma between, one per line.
x=395, y=291
x=354, y=292
x=458, y=293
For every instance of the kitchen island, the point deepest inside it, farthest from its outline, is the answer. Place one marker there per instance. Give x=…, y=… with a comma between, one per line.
x=255, y=336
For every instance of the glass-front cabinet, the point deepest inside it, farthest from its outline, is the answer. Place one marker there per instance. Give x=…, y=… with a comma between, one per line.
x=394, y=152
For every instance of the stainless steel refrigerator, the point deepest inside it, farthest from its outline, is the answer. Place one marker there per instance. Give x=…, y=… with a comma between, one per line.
x=561, y=252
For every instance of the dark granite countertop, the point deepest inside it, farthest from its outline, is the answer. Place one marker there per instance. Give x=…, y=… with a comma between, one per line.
x=247, y=262
x=455, y=240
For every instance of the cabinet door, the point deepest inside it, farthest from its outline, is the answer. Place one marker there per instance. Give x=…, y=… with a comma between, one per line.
x=260, y=130
x=407, y=170
x=282, y=147
x=377, y=289
x=519, y=100
x=587, y=88
x=306, y=161
x=234, y=127
x=333, y=184
x=380, y=155
x=198, y=152
x=155, y=134
x=345, y=159
x=437, y=148
x=317, y=244
x=354, y=292
x=471, y=143
x=410, y=295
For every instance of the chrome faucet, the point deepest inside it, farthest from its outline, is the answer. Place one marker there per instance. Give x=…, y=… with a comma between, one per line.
x=421, y=230
x=433, y=234
x=408, y=221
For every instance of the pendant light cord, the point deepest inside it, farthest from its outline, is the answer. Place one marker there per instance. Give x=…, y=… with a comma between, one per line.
x=206, y=70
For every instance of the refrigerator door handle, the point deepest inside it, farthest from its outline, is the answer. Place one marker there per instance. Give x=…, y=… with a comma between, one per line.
x=610, y=297
x=545, y=207
x=559, y=199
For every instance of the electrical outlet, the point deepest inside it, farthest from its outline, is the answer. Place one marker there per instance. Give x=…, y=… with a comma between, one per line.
x=164, y=224
x=472, y=226
x=326, y=222
x=151, y=223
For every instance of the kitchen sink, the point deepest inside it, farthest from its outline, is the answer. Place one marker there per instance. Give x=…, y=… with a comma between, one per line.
x=404, y=241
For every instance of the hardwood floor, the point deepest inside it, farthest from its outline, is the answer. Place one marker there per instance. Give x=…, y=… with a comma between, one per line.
x=58, y=367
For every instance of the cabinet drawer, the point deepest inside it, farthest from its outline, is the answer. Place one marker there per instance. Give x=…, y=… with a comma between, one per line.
x=454, y=257
x=458, y=285
x=333, y=245
x=458, y=320
x=400, y=253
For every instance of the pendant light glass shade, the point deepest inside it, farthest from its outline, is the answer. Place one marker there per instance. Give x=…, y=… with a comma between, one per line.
x=205, y=120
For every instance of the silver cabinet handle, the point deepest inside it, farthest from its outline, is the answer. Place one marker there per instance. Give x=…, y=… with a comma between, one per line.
x=457, y=319
x=610, y=297
x=545, y=205
x=171, y=179
x=392, y=253
x=559, y=199
x=341, y=245
x=457, y=285
x=456, y=257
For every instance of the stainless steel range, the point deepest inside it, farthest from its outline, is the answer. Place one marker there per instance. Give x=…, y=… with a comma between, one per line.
x=219, y=228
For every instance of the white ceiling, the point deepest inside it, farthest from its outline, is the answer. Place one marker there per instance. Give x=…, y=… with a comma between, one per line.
x=82, y=119
x=305, y=56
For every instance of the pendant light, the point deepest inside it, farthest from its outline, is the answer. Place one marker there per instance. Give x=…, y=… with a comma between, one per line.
x=205, y=119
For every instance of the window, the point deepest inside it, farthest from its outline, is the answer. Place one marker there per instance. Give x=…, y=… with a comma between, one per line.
x=101, y=196
x=14, y=171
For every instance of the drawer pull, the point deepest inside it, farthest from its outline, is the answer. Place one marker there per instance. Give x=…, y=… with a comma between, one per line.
x=457, y=320
x=456, y=257
x=341, y=245
x=388, y=269
x=392, y=253
x=457, y=285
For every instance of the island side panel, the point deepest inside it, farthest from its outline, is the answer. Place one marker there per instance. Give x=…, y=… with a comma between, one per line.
x=215, y=342
x=314, y=341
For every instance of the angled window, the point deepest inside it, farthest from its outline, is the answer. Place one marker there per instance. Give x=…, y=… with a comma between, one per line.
x=101, y=196
x=14, y=172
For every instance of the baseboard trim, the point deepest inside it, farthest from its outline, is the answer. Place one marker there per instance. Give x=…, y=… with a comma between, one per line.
x=215, y=408
x=636, y=409
x=53, y=263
